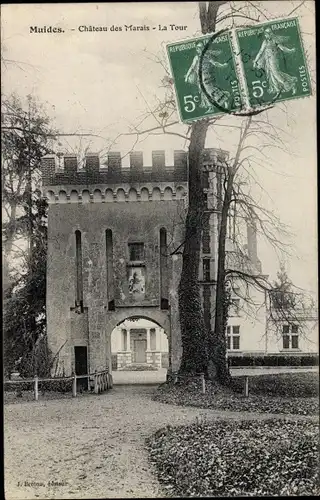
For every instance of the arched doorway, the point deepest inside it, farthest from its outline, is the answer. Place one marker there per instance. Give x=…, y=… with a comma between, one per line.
x=139, y=348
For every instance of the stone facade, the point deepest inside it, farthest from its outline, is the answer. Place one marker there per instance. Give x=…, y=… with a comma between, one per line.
x=90, y=289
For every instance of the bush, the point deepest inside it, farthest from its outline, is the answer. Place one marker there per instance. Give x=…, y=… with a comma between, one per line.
x=274, y=360
x=296, y=385
x=54, y=385
x=138, y=368
x=13, y=386
x=295, y=393
x=232, y=458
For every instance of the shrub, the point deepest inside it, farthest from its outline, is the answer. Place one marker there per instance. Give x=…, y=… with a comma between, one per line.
x=14, y=386
x=55, y=385
x=274, y=360
x=292, y=393
x=295, y=385
x=139, y=368
x=232, y=458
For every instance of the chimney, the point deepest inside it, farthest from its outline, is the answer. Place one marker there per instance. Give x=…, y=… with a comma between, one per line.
x=252, y=244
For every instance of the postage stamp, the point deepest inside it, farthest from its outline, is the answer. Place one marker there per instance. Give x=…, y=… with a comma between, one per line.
x=205, y=76
x=273, y=62
x=239, y=69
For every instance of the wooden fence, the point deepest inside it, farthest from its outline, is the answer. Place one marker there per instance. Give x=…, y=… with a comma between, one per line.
x=249, y=371
x=97, y=382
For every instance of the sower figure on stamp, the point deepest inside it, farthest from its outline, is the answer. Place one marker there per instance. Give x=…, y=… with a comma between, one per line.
x=268, y=60
x=192, y=76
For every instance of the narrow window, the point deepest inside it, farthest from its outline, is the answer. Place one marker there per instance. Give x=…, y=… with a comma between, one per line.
x=290, y=337
x=79, y=283
x=285, y=342
x=294, y=337
x=233, y=337
x=294, y=341
x=236, y=342
x=206, y=270
x=164, y=279
x=206, y=233
x=110, y=279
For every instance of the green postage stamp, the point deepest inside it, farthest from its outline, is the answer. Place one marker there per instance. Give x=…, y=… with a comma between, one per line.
x=246, y=67
x=204, y=74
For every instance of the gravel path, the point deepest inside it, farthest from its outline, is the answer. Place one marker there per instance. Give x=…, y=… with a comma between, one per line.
x=93, y=445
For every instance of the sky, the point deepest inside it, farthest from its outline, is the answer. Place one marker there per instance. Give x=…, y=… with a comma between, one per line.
x=102, y=82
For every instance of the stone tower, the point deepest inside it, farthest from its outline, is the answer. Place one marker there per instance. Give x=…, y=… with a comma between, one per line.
x=112, y=232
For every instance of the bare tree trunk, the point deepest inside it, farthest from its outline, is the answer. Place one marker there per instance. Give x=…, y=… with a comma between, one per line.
x=193, y=331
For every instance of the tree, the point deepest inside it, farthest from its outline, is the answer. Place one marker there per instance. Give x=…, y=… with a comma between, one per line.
x=282, y=300
x=282, y=295
x=26, y=138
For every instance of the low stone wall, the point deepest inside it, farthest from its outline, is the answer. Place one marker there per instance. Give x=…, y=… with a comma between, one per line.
x=123, y=359
x=154, y=358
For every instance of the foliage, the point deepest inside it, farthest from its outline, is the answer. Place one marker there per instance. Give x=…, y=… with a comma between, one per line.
x=26, y=138
x=56, y=385
x=282, y=296
x=274, y=360
x=24, y=308
x=138, y=368
x=295, y=385
x=285, y=393
x=232, y=458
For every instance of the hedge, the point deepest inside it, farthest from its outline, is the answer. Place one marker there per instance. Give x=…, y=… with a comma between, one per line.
x=274, y=360
x=55, y=385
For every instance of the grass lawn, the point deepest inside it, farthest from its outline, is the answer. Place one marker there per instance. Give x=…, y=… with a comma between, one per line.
x=296, y=393
x=232, y=458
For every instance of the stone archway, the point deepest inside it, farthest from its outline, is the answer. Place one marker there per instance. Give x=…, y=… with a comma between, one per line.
x=157, y=317
x=139, y=344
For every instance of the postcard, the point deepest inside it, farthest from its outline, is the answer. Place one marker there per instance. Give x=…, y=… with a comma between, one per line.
x=159, y=188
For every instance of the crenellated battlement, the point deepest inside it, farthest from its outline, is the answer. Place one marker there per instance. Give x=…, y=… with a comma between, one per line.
x=69, y=170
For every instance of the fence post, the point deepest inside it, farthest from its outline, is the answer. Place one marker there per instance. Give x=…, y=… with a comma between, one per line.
x=246, y=386
x=36, y=388
x=203, y=383
x=74, y=386
x=95, y=382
